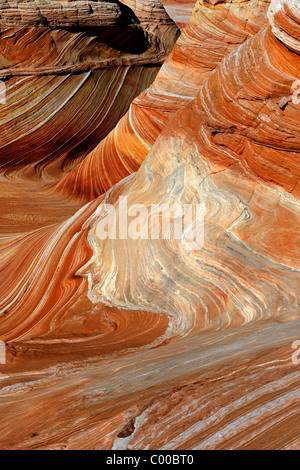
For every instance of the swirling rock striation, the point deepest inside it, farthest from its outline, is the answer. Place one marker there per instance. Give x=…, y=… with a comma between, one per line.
x=179, y=10
x=110, y=339
x=71, y=71
x=235, y=150
x=214, y=31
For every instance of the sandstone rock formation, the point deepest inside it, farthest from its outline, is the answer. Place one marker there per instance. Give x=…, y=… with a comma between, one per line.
x=71, y=71
x=234, y=149
x=214, y=31
x=157, y=343
x=179, y=10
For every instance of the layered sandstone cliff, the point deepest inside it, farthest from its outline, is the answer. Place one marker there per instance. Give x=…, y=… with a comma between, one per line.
x=71, y=69
x=214, y=31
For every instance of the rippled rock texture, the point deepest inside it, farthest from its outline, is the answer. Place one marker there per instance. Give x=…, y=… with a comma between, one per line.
x=71, y=70
x=213, y=32
x=179, y=10
x=154, y=343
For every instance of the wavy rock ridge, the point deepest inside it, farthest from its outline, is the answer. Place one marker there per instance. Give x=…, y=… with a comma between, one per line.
x=192, y=344
x=213, y=32
x=225, y=151
x=72, y=54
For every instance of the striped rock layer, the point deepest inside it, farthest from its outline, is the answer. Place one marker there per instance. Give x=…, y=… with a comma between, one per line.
x=157, y=344
x=179, y=10
x=71, y=71
x=214, y=31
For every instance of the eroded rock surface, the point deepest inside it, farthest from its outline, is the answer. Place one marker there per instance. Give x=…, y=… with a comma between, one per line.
x=71, y=70
x=157, y=343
